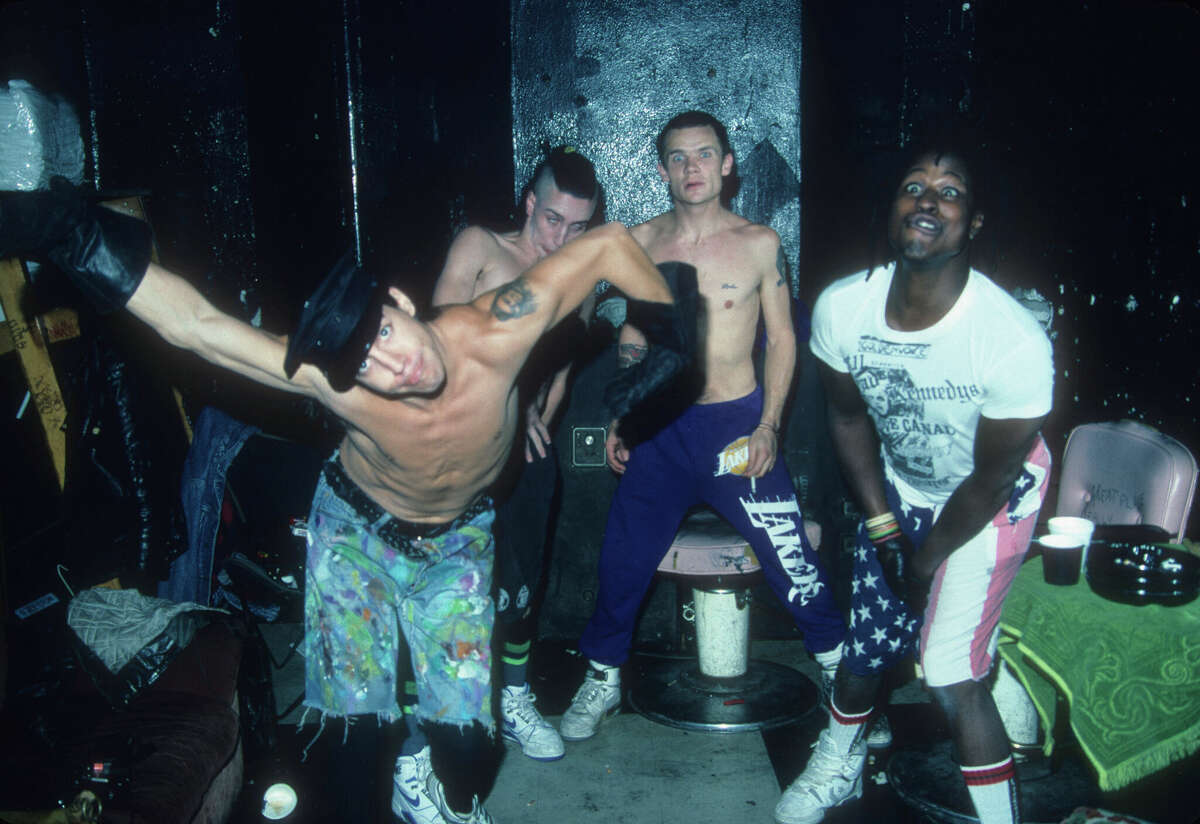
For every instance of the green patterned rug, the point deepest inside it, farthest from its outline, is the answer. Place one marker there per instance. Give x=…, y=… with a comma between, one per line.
x=1130, y=674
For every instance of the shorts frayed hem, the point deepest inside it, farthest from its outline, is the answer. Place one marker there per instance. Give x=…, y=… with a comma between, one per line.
x=488, y=723
x=381, y=718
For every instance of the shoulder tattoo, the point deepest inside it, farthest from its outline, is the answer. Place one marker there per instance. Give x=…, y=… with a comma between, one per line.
x=630, y=353
x=513, y=300
x=781, y=266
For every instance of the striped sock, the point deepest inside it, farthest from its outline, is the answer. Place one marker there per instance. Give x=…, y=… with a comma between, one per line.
x=416, y=741
x=993, y=789
x=515, y=658
x=847, y=730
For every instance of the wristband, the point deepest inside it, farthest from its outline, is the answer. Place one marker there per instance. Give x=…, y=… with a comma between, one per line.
x=770, y=426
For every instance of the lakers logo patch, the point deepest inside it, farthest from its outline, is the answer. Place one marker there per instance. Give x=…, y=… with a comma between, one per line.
x=732, y=459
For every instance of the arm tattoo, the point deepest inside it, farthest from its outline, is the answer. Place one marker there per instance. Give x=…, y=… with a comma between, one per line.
x=513, y=300
x=630, y=353
x=781, y=266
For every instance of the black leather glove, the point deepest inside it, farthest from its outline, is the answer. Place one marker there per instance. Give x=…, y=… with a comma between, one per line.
x=103, y=252
x=895, y=555
x=670, y=330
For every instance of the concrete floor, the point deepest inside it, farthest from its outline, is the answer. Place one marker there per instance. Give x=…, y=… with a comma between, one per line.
x=637, y=771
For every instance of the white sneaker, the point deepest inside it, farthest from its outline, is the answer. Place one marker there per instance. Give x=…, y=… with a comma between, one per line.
x=831, y=778
x=879, y=731
x=410, y=794
x=520, y=722
x=599, y=697
x=478, y=814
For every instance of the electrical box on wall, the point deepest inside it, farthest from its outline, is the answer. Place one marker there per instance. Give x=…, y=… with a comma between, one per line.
x=587, y=446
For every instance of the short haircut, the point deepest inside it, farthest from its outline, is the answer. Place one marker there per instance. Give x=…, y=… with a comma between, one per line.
x=960, y=140
x=687, y=120
x=572, y=173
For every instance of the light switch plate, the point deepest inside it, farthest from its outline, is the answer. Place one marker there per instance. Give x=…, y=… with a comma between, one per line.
x=587, y=446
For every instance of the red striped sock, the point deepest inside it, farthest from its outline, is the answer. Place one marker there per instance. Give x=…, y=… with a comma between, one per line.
x=993, y=790
x=847, y=730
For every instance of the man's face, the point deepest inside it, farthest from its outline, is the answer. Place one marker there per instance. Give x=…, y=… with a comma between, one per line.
x=554, y=217
x=694, y=167
x=932, y=218
x=403, y=358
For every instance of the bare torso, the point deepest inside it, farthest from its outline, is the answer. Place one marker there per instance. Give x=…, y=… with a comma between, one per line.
x=425, y=459
x=730, y=262
x=502, y=256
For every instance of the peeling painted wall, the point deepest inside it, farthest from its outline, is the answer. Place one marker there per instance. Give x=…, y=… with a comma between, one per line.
x=605, y=76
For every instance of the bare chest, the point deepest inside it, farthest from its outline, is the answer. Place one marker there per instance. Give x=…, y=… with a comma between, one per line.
x=428, y=464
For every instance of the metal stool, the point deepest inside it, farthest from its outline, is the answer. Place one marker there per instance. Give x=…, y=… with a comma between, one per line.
x=721, y=690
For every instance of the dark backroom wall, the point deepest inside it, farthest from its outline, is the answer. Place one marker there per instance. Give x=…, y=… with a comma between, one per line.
x=1087, y=107
x=270, y=141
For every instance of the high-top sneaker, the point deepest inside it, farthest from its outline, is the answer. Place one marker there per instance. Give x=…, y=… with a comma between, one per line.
x=599, y=697
x=832, y=777
x=410, y=794
x=521, y=722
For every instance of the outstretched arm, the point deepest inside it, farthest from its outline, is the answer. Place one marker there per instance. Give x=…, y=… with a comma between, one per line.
x=557, y=284
x=107, y=255
x=185, y=318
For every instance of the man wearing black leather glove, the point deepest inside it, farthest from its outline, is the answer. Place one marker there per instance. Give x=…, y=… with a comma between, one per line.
x=722, y=448
x=937, y=384
x=105, y=254
x=895, y=552
x=400, y=530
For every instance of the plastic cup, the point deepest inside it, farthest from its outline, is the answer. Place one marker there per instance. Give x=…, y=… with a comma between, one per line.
x=1062, y=558
x=278, y=801
x=1071, y=525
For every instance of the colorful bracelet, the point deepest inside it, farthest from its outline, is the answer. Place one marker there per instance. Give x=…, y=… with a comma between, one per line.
x=882, y=527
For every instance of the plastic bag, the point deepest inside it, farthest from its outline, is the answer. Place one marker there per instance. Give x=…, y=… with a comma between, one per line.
x=41, y=139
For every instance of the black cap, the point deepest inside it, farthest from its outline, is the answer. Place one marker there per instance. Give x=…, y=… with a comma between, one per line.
x=338, y=324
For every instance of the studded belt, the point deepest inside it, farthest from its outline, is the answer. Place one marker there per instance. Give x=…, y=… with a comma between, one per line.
x=396, y=532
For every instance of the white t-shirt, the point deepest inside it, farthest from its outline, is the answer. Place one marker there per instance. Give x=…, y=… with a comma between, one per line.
x=926, y=390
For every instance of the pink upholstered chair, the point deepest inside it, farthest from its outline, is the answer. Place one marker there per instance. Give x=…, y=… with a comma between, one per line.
x=1120, y=473
x=1125, y=472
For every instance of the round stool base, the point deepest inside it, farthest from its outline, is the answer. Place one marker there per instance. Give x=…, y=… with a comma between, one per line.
x=930, y=781
x=675, y=693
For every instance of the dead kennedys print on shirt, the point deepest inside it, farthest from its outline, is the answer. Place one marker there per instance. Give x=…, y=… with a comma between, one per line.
x=916, y=423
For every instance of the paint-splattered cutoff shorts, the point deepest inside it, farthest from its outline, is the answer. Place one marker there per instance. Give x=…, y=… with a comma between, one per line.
x=370, y=577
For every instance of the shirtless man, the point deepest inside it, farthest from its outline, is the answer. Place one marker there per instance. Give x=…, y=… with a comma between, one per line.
x=560, y=201
x=723, y=449
x=400, y=531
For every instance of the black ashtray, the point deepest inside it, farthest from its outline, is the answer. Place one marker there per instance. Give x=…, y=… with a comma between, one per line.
x=1131, y=533
x=1131, y=572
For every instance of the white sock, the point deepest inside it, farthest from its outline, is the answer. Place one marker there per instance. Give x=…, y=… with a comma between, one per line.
x=829, y=659
x=603, y=672
x=846, y=730
x=993, y=790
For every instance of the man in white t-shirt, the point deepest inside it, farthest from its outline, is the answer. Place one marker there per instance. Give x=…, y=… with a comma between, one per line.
x=937, y=384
